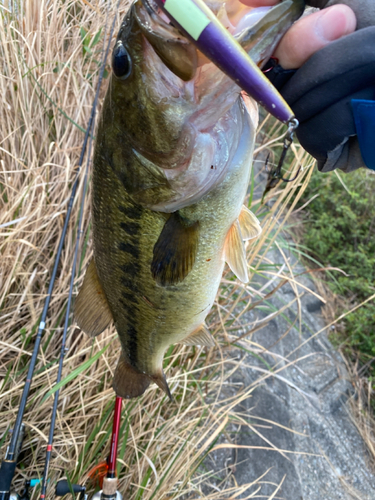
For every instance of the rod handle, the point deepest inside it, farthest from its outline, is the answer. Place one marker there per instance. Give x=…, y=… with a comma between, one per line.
x=7, y=470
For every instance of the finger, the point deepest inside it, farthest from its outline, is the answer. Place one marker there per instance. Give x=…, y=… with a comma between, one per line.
x=312, y=33
x=259, y=3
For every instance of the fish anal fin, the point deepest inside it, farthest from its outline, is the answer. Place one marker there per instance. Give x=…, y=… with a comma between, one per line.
x=235, y=253
x=128, y=382
x=175, y=250
x=202, y=336
x=91, y=309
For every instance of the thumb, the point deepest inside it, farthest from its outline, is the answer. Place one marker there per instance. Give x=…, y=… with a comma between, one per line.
x=312, y=33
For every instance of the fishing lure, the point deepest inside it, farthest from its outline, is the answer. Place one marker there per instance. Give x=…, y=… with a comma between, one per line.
x=274, y=174
x=204, y=30
x=198, y=23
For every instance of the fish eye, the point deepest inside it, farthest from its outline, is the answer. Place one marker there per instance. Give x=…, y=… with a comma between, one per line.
x=121, y=62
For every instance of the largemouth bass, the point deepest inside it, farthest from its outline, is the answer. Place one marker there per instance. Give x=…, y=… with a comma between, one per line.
x=171, y=170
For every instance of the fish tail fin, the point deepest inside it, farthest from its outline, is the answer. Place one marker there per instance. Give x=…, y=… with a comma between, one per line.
x=91, y=309
x=128, y=382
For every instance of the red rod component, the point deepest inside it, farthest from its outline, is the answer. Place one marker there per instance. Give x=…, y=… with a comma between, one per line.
x=115, y=436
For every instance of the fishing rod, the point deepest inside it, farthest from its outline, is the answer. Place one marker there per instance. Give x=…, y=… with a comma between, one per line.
x=109, y=488
x=73, y=272
x=9, y=463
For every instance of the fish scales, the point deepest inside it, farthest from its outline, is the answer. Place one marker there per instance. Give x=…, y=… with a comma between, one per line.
x=125, y=263
x=170, y=176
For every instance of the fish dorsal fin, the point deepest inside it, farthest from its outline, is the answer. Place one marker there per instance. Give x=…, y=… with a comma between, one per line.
x=128, y=382
x=175, y=251
x=199, y=337
x=91, y=309
x=249, y=224
x=235, y=254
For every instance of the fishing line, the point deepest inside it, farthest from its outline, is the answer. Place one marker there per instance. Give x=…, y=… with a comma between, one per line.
x=9, y=463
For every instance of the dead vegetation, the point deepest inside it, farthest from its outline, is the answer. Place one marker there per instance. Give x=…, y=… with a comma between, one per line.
x=48, y=72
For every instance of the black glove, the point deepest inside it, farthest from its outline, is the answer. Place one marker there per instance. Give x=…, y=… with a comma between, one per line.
x=321, y=91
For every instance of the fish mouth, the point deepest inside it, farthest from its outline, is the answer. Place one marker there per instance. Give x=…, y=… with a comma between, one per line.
x=232, y=14
x=159, y=21
x=193, y=142
x=174, y=49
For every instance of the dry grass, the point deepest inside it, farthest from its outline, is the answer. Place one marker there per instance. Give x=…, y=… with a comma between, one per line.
x=44, y=71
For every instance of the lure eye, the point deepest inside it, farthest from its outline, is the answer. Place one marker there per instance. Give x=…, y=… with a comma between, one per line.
x=121, y=62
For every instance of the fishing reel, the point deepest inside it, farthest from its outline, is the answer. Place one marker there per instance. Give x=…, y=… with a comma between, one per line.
x=24, y=495
x=63, y=487
x=109, y=492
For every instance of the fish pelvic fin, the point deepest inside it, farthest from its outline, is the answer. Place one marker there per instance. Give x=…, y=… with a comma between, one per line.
x=249, y=224
x=128, y=382
x=161, y=381
x=201, y=336
x=175, y=250
x=91, y=309
x=235, y=253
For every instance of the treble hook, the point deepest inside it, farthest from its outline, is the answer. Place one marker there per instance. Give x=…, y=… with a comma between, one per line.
x=275, y=176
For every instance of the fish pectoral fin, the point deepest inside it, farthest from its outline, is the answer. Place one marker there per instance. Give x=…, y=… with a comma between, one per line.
x=91, y=309
x=202, y=336
x=128, y=382
x=175, y=251
x=249, y=224
x=235, y=253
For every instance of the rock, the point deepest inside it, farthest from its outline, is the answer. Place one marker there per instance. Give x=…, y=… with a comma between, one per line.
x=301, y=408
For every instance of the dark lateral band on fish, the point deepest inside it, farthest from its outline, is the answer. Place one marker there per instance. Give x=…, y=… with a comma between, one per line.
x=201, y=26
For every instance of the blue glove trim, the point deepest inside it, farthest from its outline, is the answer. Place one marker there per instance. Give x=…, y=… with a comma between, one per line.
x=364, y=118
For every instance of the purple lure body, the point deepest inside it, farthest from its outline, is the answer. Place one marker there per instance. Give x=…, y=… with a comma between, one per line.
x=216, y=43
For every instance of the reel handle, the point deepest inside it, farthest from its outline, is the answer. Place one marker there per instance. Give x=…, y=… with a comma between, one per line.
x=63, y=488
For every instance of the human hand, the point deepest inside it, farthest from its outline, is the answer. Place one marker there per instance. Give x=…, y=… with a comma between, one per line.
x=364, y=10
x=311, y=33
x=336, y=65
